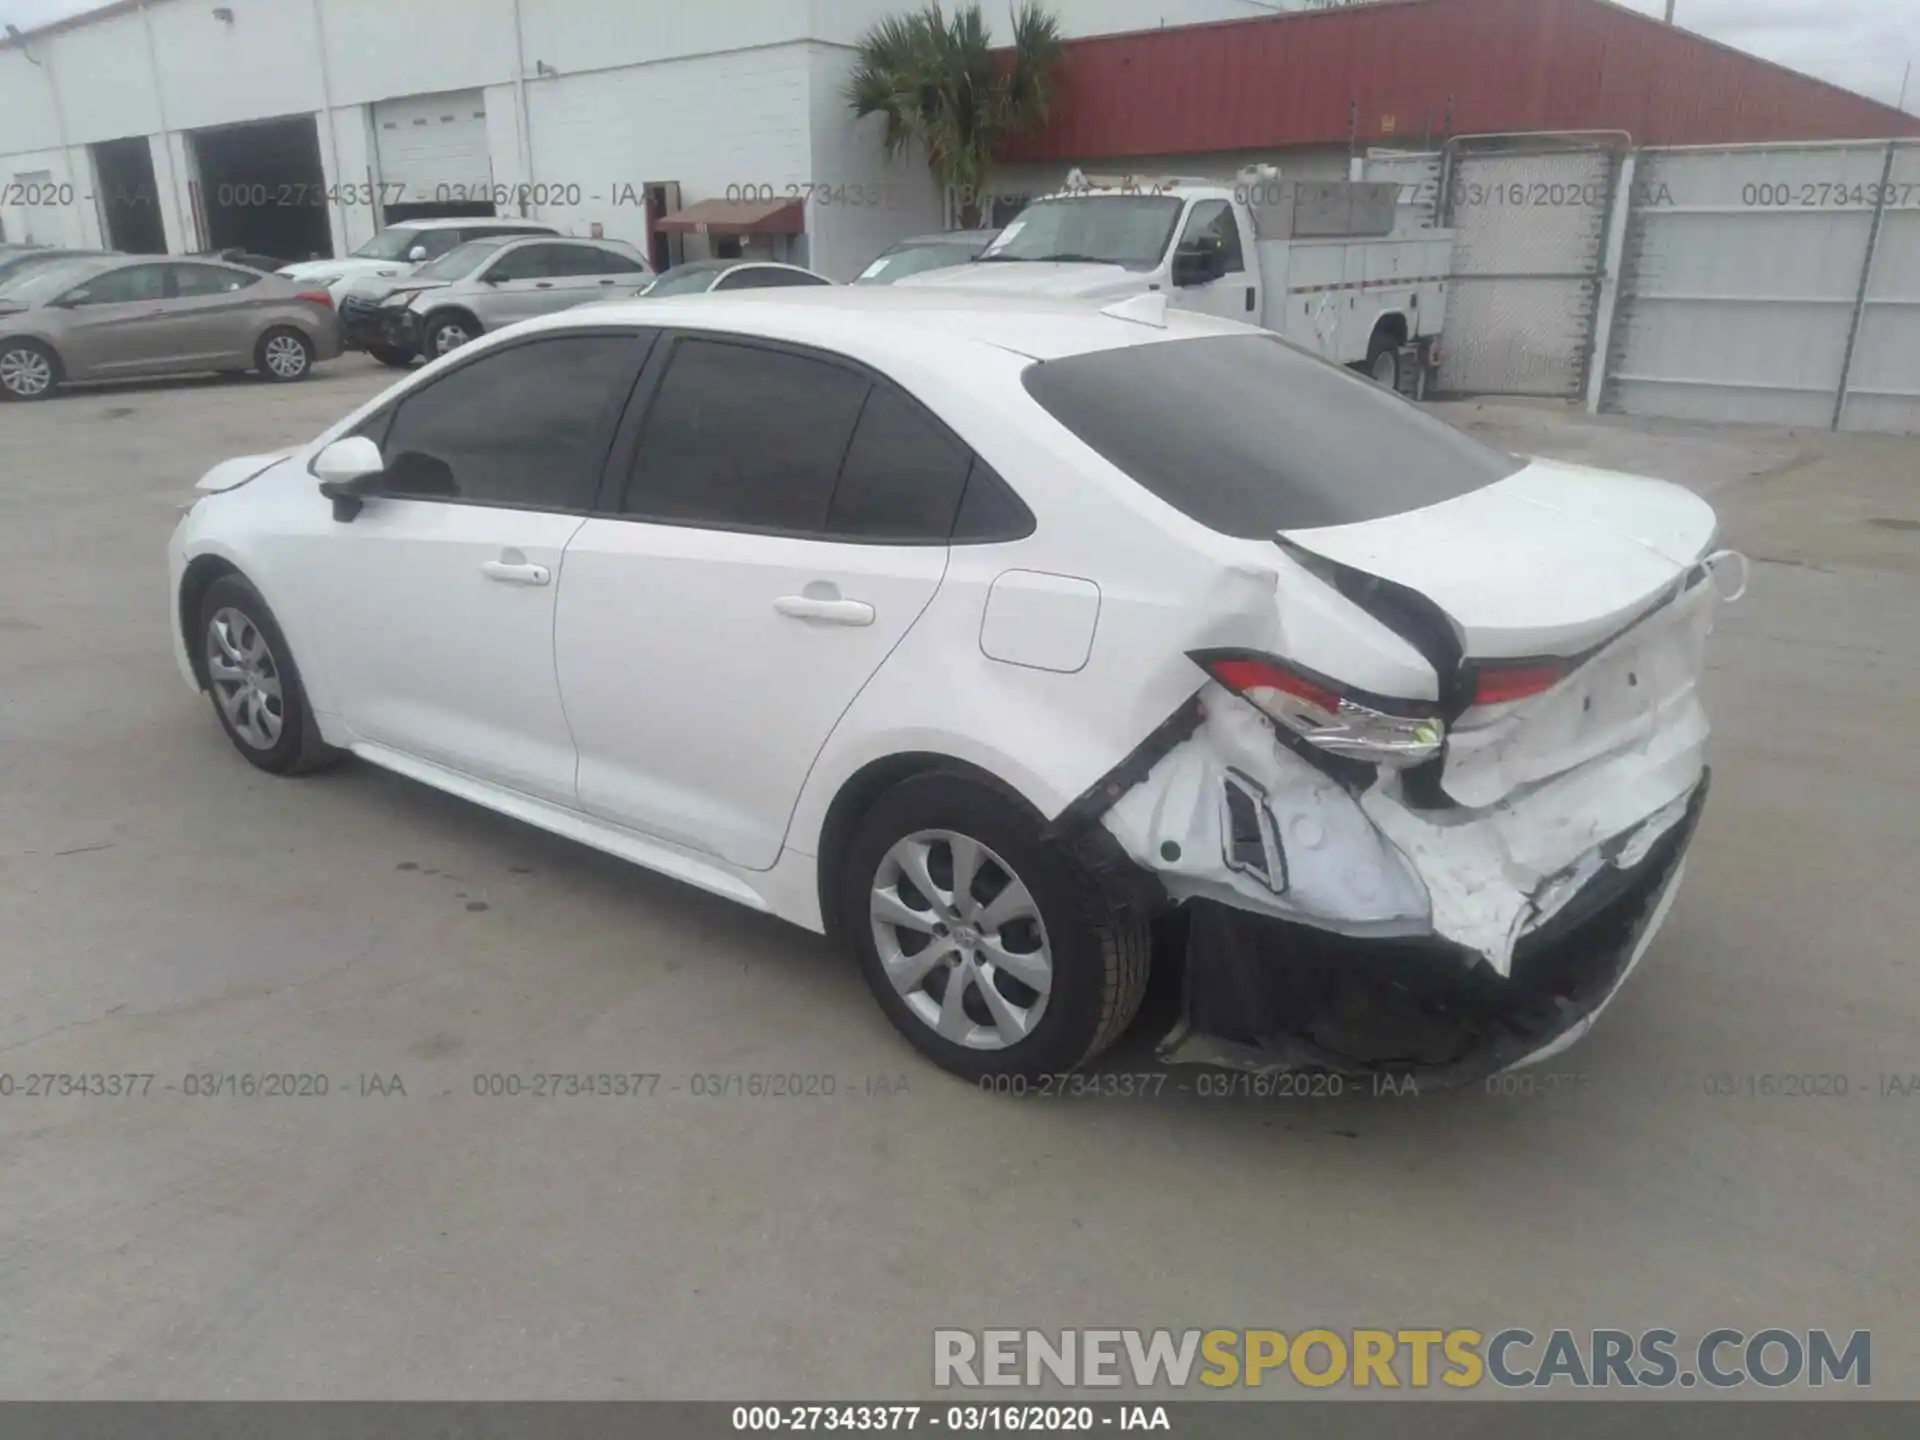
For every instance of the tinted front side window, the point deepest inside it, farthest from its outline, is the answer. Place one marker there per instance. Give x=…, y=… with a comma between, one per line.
x=460, y=261
x=194, y=280
x=528, y=425
x=1249, y=435
x=122, y=287
x=739, y=436
x=530, y=262
x=593, y=260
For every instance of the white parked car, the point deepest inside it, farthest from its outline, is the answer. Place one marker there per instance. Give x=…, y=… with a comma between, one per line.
x=401, y=248
x=982, y=632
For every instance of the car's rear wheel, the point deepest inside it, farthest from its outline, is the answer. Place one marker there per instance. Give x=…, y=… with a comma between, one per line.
x=995, y=952
x=1383, y=361
x=255, y=685
x=28, y=370
x=446, y=333
x=283, y=355
x=390, y=355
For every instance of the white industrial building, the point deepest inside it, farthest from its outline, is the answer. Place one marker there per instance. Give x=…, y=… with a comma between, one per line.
x=297, y=127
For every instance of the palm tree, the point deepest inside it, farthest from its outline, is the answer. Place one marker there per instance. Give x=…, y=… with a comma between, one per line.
x=937, y=80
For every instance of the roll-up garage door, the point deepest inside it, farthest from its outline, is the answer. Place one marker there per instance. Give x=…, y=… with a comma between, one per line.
x=433, y=145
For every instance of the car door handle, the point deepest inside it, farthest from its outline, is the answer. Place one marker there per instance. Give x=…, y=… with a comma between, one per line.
x=609, y=282
x=543, y=284
x=829, y=612
x=509, y=573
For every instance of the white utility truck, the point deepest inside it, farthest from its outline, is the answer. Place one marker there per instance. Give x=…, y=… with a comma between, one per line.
x=1320, y=262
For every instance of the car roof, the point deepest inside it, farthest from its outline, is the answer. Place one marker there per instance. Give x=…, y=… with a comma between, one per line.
x=459, y=222
x=881, y=320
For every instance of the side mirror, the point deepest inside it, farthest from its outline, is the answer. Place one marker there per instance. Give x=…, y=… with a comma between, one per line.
x=417, y=254
x=1198, y=266
x=349, y=470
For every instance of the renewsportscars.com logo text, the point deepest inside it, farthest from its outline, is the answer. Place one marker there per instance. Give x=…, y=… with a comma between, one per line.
x=1392, y=1359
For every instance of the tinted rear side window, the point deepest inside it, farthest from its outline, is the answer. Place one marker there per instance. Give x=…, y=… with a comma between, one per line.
x=901, y=479
x=1248, y=435
x=740, y=436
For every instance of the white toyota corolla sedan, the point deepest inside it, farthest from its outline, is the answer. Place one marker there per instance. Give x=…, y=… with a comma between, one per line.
x=1019, y=644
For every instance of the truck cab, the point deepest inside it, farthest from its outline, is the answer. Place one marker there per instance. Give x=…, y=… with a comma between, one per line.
x=1319, y=262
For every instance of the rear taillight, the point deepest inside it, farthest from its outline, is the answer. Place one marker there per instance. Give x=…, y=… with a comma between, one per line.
x=318, y=297
x=1321, y=713
x=1503, y=684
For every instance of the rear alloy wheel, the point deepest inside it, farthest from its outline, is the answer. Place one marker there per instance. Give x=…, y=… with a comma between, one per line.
x=447, y=333
x=28, y=371
x=255, y=686
x=284, y=355
x=994, y=952
x=389, y=355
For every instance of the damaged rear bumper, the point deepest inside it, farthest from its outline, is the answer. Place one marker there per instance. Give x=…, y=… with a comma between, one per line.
x=1267, y=994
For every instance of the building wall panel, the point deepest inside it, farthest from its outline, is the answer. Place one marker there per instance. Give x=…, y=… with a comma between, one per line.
x=709, y=122
x=213, y=72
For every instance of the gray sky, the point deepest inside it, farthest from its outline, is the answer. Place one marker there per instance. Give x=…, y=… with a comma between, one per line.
x=1864, y=45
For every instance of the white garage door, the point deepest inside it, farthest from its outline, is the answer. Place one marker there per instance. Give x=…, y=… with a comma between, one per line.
x=435, y=146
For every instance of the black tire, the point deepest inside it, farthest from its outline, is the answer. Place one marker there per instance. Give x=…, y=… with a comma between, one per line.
x=1383, y=355
x=433, y=333
x=391, y=356
x=1098, y=936
x=297, y=747
x=28, y=371
x=284, y=355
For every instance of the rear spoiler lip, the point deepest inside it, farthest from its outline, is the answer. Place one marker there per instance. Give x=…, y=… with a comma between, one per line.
x=1695, y=576
x=1459, y=672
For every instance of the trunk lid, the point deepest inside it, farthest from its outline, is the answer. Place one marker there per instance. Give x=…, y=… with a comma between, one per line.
x=1553, y=560
x=1563, y=562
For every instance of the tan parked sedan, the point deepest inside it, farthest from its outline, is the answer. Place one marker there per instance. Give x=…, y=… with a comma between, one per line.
x=111, y=317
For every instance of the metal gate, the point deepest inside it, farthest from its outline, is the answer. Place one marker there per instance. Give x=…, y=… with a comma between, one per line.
x=1530, y=227
x=1742, y=284
x=1881, y=387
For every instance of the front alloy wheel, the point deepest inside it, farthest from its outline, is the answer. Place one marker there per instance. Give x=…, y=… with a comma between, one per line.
x=961, y=940
x=26, y=372
x=448, y=335
x=246, y=679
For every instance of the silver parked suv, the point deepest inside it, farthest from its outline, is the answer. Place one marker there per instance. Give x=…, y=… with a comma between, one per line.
x=480, y=286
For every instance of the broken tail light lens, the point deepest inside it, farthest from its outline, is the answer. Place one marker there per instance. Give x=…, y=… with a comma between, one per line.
x=1503, y=684
x=1320, y=713
x=318, y=297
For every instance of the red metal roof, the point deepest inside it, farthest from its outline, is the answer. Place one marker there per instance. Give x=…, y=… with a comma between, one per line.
x=1497, y=65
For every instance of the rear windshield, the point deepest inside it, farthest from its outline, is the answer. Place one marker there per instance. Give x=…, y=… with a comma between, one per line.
x=1249, y=435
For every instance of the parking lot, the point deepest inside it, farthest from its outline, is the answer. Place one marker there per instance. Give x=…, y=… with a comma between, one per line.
x=165, y=910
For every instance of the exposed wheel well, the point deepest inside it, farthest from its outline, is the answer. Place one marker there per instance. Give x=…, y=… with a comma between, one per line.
x=202, y=571
x=279, y=325
x=1389, y=328
x=857, y=795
